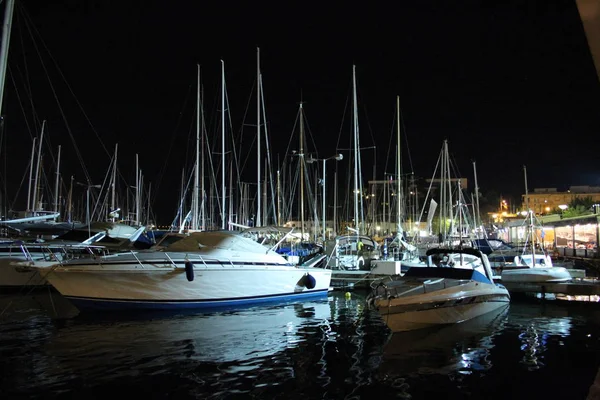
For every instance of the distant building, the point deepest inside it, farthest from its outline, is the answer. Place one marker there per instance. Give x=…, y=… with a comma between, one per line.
x=546, y=200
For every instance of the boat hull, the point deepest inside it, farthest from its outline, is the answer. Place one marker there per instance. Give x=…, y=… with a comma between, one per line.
x=161, y=285
x=15, y=274
x=424, y=302
x=442, y=315
x=536, y=274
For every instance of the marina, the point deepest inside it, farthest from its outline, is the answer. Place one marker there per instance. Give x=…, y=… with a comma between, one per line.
x=203, y=231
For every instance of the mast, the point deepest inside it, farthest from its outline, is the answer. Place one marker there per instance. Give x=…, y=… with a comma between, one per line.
x=335, y=185
x=137, y=189
x=301, y=170
x=449, y=183
x=258, y=171
x=223, y=144
x=530, y=215
x=70, y=201
x=398, y=171
x=355, y=125
x=37, y=168
x=31, y=175
x=477, y=216
x=278, y=198
x=57, y=181
x=6, y=28
x=202, y=152
x=196, y=197
x=113, y=204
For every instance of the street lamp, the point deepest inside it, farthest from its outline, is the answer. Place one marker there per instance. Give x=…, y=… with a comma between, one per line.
x=310, y=160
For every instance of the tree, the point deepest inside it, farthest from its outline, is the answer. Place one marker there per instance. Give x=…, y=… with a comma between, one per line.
x=579, y=206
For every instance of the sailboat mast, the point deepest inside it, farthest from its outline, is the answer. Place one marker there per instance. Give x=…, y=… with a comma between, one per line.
x=477, y=216
x=137, y=189
x=31, y=175
x=278, y=198
x=70, y=201
x=530, y=214
x=223, y=144
x=57, y=181
x=302, y=171
x=196, y=197
x=38, y=166
x=202, y=152
x=398, y=170
x=355, y=126
x=6, y=28
x=114, y=182
x=258, y=160
x=449, y=183
x=526, y=192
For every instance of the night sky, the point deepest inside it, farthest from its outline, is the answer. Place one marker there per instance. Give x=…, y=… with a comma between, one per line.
x=506, y=83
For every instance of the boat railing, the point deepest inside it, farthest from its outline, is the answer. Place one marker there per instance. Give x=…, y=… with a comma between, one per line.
x=59, y=252
x=199, y=257
x=26, y=252
x=168, y=257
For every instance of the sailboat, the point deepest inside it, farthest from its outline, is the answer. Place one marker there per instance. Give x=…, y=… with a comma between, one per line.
x=452, y=214
x=531, y=266
x=399, y=252
x=353, y=252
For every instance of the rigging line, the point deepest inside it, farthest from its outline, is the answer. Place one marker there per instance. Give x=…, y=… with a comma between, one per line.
x=173, y=136
x=62, y=113
x=36, y=120
x=344, y=109
x=20, y=101
x=312, y=138
x=235, y=163
x=267, y=144
x=410, y=162
x=359, y=148
x=245, y=159
x=296, y=121
x=425, y=205
x=389, y=146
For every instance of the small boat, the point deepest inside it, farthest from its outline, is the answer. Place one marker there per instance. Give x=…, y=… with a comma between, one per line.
x=533, y=265
x=17, y=256
x=199, y=270
x=353, y=252
x=534, y=268
x=456, y=286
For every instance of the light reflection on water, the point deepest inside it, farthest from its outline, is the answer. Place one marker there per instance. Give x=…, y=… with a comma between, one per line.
x=328, y=348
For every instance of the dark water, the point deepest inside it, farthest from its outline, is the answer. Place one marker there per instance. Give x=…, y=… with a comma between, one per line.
x=325, y=349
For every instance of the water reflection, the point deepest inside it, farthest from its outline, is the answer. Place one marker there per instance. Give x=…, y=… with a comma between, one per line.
x=538, y=325
x=330, y=348
x=459, y=348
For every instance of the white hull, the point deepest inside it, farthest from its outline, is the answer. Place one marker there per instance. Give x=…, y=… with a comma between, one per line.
x=536, y=274
x=14, y=275
x=450, y=306
x=163, y=282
